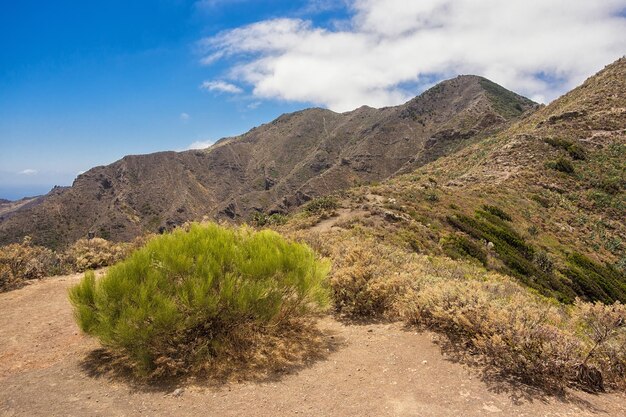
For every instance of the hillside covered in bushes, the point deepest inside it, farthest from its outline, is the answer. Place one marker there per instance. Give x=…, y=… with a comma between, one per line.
x=511, y=247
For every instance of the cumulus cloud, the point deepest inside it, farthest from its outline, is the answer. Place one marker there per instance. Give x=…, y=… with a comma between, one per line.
x=28, y=171
x=221, y=87
x=390, y=49
x=184, y=117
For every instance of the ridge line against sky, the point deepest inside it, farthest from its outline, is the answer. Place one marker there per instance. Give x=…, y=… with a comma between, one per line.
x=83, y=84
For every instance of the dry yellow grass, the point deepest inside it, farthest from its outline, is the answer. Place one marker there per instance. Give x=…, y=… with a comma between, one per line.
x=513, y=329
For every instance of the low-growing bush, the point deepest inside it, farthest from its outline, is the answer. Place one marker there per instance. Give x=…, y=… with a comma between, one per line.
x=496, y=319
x=611, y=185
x=432, y=197
x=541, y=200
x=577, y=152
x=321, y=205
x=94, y=253
x=600, y=199
x=489, y=318
x=190, y=299
x=523, y=335
x=497, y=211
x=517, y=255
x=261, y=219
x=20, y=262
x=562, y=164
x=593, y=281
x=543, y=261
x=603, y=330
x=574, y=149
x=458, y=246
x=367, y=284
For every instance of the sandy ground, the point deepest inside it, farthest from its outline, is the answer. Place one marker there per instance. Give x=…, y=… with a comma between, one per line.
x=377, y=370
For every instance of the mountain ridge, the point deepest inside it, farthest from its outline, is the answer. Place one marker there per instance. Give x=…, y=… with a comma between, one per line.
x=543, y=199
x=272, y=168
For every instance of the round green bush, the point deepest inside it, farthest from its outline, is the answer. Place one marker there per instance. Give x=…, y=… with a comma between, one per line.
x=178, y=301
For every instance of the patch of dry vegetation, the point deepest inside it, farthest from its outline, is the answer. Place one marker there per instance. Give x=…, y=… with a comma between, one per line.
x=23, y=262
x=512, y=329
x=96, y=253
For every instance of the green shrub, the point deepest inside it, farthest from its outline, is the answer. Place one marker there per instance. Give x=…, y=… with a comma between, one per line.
x=558, y=143
x=600, y=199
x=321, y=205
x=191, y=297
x=542, y=260
x=497, y=211
x=541, y=200
x=458, y=246
x=593, y=281
x=562, y=165
x=517, y=255
x=576, y=151
x=611, y=185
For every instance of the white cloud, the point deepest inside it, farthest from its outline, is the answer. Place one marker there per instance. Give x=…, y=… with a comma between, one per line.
x=29, y=171
x=201, y=144
x=540, y=48
x=221, y=86
x=184, y=117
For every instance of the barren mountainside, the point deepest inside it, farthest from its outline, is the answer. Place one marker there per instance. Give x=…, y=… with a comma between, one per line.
x=543, y=199
x=272, y=168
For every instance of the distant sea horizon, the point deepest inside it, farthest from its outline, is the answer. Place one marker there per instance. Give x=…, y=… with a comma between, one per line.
x=17, y=192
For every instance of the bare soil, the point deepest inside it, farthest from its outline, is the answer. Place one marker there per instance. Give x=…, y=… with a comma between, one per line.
x=343, y=215
x=375, y=370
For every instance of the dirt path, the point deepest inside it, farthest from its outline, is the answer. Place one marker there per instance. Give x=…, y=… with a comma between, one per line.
x=379, y=370
x=342, y=216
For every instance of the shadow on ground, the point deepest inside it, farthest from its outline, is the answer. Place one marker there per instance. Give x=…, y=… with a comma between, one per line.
x=499, y=381
x=269, y=361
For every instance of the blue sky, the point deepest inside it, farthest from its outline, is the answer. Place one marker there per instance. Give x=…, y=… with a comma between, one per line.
x=83, y=83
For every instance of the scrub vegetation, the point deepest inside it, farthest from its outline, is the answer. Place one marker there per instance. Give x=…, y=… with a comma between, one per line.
x=193, y=299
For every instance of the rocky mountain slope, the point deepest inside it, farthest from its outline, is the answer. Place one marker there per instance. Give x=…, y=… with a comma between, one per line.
x=272, y=168
x=7, y=207
x=543, y=200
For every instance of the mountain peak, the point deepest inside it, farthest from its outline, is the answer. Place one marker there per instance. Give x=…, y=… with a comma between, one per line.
x=470, y=95
x=272, y=168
